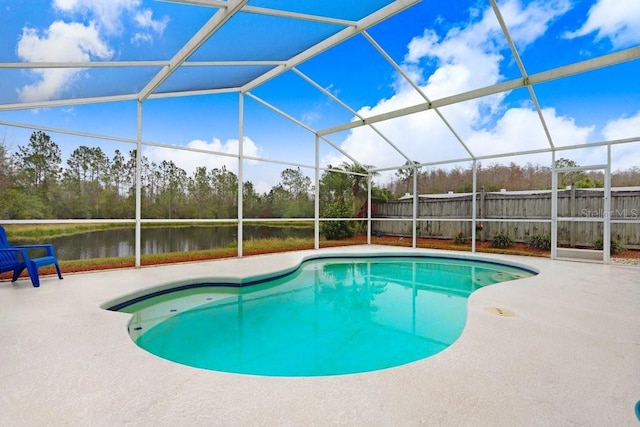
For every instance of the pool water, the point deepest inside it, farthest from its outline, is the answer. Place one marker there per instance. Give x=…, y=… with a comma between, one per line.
x=329, y=317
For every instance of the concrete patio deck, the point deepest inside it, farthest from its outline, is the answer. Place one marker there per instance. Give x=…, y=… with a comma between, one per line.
x=569, y=356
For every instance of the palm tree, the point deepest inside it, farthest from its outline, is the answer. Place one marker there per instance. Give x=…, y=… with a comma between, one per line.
x=358, y=174
x=358, y=181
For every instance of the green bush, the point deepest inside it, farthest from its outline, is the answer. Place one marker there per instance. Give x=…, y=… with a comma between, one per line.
x=460, y=239
x=501, y=240
x=335, y=230
x=616, y=246
x=539, y=241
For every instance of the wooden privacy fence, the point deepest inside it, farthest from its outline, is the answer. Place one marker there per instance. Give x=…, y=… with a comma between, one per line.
x=531, y=209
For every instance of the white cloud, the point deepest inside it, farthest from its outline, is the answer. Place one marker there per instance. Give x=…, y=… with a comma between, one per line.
x=262, y=175
x=617, y=20
x=310, y=117
x=189, y=160
x=61, y=42
x=527, y=25
x=108, y=14
x=623, y=127
x=80, y=41
x=144, y=18
x=148, y=26
x=625, y=156
x=519, y=129
x=564, y=129
x=480, y=43
x=261, y=187
x=141, y=38
x=465, y=58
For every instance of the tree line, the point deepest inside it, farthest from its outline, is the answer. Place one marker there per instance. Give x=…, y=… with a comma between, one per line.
x=511, y=177
x=34, y=184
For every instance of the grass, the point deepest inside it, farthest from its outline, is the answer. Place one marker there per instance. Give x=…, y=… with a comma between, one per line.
x=254, y=247
x=39, y=233
x=273, y=245
x=35, y=233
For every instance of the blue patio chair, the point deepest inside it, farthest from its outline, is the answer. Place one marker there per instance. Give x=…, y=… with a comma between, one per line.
x=17, y=258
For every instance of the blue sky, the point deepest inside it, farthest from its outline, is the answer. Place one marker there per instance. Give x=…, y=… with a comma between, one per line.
x=446, y=48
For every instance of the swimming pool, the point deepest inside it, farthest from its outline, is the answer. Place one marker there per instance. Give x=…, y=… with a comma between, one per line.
x=330, y=316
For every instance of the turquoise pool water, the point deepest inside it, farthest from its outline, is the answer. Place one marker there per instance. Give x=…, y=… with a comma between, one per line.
x=329, y=317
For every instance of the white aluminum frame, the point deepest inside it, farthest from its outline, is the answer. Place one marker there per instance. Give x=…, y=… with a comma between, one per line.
x=606, y=206
x=225, y=12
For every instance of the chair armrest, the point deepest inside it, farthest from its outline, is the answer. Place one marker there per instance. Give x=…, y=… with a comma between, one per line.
x=12, y=249
x=48, y=247
x=23, y=252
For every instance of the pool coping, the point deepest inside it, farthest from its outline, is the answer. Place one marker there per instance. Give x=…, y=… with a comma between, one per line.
x=250, y=280
x=568, y=356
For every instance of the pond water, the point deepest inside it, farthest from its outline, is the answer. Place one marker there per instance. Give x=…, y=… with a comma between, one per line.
x=121, y=242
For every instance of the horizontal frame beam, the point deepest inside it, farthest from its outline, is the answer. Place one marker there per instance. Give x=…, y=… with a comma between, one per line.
x=542, y=77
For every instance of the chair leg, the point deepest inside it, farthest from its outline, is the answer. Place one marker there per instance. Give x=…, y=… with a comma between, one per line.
x=58, y=270
x=33, y=274
x=16, y=273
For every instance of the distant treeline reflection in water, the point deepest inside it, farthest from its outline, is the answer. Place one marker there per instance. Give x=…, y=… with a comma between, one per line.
x=121, y=242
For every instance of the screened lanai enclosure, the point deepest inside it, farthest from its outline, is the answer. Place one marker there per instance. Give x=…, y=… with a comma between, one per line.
x=227, y=112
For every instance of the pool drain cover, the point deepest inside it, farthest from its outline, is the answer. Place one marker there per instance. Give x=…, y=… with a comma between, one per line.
x=500, y=311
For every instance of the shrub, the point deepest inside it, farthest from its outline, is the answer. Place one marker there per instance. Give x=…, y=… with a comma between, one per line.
x=460, y=239
x=616, y=246
x=501, y=240
x=539, y=241
x=335, y=230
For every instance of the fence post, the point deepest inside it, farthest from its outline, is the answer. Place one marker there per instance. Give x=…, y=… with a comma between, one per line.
x=572, y=214
x=482, y=213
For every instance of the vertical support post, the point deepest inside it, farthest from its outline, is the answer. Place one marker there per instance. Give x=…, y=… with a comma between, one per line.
x=483, y=210
x=573, y=213
x=606, y=239
x=416, y=200
x=138, y=236
x=414, y=296
x=369, y=209
x=474, y=206
x=554, y=207
x=316, y=225
x=240, y=171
